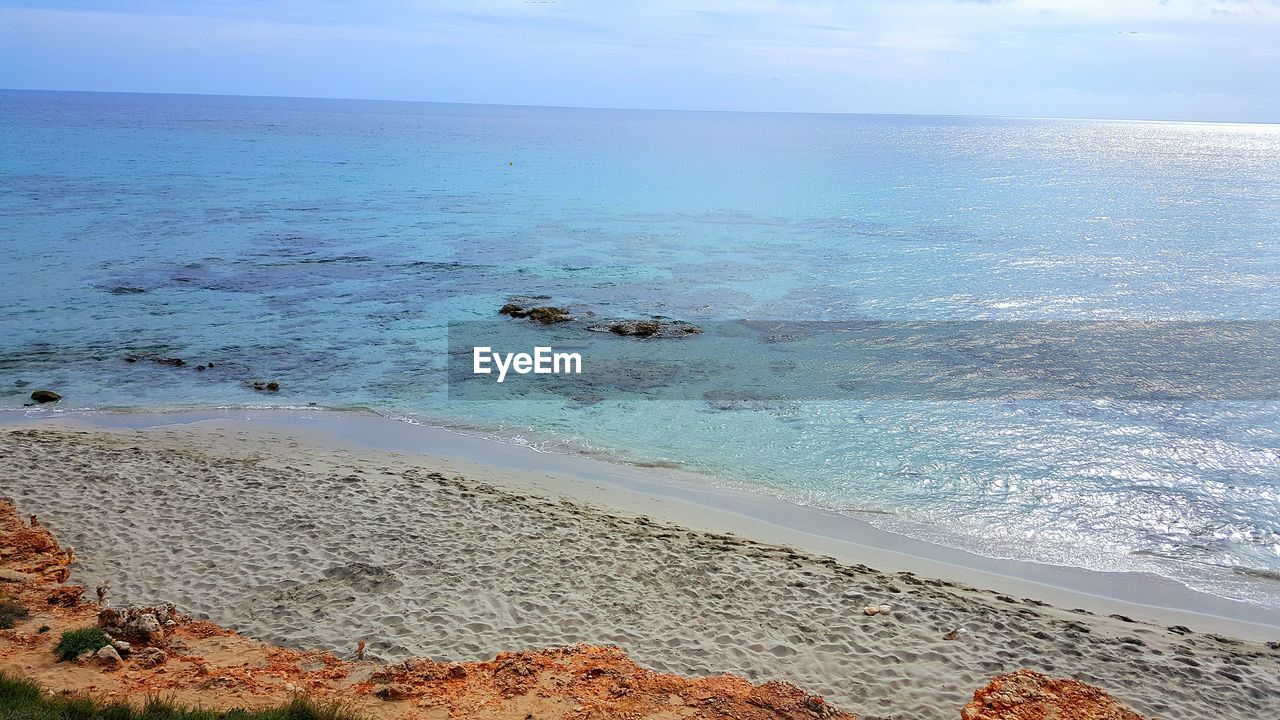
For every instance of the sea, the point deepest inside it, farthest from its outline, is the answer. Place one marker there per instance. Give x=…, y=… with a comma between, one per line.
x=339, y=248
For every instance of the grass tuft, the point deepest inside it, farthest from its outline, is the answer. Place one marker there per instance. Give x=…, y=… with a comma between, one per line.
x=75, y=642
x=11, y=613
x=17, y=691
x=22, y=699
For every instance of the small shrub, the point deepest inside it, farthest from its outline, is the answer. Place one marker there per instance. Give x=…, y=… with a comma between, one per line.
x=11, y=613
x=75, y=642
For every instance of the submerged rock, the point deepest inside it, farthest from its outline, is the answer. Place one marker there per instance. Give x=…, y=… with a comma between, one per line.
x=548, y=315
x=272, y=386
x=45, y=396
x=656, y=327
x=126, y=290
x=173, y=361
x=742, y=400
x=544, y=314
x=637, y=328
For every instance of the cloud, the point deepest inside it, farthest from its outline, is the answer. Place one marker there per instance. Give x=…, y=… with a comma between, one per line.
x=828, y=55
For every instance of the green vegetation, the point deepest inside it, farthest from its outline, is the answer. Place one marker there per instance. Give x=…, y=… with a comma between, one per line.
x=22, y=699
x=85, y=639
x=11, y=613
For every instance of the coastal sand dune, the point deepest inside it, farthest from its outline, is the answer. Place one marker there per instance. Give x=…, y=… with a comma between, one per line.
x=320, y=548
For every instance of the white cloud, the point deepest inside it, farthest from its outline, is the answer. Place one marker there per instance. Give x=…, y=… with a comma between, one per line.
x=808, y=54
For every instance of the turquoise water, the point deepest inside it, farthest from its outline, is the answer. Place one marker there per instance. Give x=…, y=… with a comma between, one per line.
x=326, y=245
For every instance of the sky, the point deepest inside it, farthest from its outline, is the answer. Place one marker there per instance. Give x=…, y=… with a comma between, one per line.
x=1215, y=60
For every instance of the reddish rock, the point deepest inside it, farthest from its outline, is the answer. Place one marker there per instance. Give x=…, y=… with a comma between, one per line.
x=1028, y=695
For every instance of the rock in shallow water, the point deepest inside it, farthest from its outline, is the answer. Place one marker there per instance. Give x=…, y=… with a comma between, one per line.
x=658, y=327
x=639, y=328
x=544, y=314
x=45, y=396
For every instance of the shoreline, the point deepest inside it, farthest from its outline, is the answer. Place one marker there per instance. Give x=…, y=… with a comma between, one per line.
x=683, y=498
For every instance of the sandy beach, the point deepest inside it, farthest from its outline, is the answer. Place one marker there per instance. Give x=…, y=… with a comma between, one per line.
x=312, y=546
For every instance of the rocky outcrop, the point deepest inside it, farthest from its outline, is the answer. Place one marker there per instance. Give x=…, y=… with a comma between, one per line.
x=143, y=625
x=148, y=658
x=1029, y=695
x=602, y=681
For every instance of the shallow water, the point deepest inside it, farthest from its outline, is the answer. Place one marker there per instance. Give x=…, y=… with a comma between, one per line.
x=326, y=245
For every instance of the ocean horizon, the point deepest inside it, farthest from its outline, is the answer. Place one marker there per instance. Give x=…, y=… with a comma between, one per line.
x=620, y=108
x=327, y=245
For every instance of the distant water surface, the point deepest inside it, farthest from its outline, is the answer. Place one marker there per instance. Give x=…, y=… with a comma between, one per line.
x=326, y=245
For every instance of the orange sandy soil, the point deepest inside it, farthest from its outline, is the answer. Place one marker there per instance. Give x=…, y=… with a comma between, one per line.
x=210, y=666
